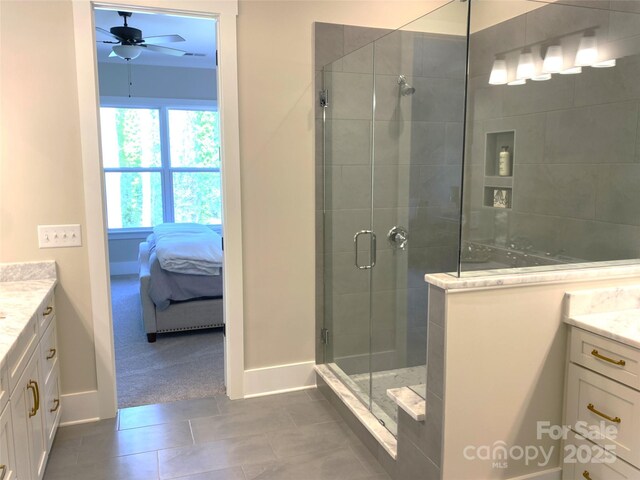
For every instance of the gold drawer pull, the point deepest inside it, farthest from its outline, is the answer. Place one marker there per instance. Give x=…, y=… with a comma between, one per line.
x=603, y=415
x=47, y=311
x=586, y=475
x=33, y=386
x=595, y=353
x=56, y=402
x=52, y=353
x=4, y=471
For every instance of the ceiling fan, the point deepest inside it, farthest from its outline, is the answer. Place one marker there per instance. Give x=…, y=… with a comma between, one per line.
x=128, y=42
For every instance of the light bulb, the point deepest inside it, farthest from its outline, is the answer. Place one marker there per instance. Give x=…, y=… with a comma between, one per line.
x=587, y=52
x=498, y=72
x=520, y=81
x=553, y=61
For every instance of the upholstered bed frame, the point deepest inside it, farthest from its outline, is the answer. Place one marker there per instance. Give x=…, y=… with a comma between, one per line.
x=188, y=315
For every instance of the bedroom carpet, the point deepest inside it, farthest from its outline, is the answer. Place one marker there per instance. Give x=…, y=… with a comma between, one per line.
x=178, y=366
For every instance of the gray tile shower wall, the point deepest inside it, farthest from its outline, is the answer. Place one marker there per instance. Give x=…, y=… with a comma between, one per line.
x=577, y=144
x=417, y=142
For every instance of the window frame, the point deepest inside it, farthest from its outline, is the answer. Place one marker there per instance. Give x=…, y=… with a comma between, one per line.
x=165, y=169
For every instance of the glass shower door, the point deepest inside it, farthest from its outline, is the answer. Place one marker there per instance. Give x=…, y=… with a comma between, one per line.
x=419, y=90
x=348, y=238
x=393, y=142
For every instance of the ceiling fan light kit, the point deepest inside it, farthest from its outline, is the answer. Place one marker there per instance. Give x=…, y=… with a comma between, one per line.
x=127, y=52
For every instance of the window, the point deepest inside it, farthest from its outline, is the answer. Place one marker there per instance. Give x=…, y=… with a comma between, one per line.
x=161, y=165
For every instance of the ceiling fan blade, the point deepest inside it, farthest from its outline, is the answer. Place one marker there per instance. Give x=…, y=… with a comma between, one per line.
x=155, y=40
x=166, y=50
x=108, y=33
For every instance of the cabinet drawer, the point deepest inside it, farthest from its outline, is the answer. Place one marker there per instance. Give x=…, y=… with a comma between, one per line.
x=583, y=460
x=608, y=408
x=613, y=359
x=52, y=407
x=21, y=352
x=49, y=350
x=46, y=312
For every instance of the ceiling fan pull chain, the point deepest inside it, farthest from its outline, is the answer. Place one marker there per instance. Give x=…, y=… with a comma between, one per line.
x=129, y=76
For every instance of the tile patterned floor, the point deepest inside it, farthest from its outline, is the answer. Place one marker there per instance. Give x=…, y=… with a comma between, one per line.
x=292, y=436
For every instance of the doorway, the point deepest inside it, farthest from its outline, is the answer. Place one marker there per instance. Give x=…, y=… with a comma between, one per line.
x=161, y=152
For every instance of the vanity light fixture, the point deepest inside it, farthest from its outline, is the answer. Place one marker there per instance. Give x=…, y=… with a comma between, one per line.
x=571, y=71
x=526, y=67
x=587, y=51
x=498, y=72
x=553, y=60
x=605, y=64
x=542, y=77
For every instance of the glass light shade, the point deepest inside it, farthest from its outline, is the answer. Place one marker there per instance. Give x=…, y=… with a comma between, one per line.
x=587, y=52
x=127, y=52
x=553, y=60
x=526, y=67
x=571, y=71
x=605, y=64
x=498, y=73
x=520, y=81
x=542, y=77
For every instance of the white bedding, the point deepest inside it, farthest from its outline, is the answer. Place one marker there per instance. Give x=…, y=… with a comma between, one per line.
x=188, y=248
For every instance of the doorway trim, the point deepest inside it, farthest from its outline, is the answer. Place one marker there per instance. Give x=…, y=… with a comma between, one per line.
x=225, y=11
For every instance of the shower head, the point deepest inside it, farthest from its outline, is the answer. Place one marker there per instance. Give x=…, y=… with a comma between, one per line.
x=405, y=88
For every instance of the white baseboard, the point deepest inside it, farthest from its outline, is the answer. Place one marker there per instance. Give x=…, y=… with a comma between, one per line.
x=551, y=474
x=123, y=268
x=279, y=379
x=81, y=407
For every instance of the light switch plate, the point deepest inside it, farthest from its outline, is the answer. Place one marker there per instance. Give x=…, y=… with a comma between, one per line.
x=57, y=236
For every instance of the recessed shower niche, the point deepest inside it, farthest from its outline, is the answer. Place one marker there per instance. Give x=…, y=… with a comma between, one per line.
x=498, y=169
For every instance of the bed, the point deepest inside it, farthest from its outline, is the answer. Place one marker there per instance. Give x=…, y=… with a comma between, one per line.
x=180, y=291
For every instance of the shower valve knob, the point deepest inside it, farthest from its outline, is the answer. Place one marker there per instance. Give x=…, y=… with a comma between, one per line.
x=398, y=237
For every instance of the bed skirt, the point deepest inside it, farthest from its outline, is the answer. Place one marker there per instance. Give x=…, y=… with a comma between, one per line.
x=188, y=315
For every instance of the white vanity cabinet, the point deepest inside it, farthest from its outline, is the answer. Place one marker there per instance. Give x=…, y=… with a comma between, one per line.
x=7, y=449
x=34, y=400
x=603, y=398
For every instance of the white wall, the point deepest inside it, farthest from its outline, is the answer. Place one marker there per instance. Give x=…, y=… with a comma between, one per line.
x=157, y=82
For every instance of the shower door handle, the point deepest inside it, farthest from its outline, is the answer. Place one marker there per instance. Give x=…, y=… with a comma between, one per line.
x=372, y=253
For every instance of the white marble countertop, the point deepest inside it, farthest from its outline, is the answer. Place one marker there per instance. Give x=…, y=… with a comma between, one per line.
x=613, y=312
x=408, y=400
x=622, y=326
x=21, y=297
x=529, y=275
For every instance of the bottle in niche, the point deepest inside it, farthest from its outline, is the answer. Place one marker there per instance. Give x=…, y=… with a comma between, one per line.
x=504, y=162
